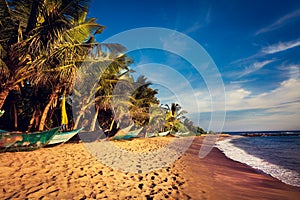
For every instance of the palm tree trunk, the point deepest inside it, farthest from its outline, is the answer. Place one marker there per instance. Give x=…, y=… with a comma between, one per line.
x=94, y=120
x=4, y=93
x=45, y=113
x=31, y=121
x=15, y=117
x=78, y=119
x=53, y=97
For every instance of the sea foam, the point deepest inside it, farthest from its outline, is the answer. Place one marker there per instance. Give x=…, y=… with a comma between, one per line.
x=287, y=176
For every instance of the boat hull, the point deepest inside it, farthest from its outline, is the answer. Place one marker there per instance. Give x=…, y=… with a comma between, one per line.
x=161, y=134
x=27, y=142
x=62, y=137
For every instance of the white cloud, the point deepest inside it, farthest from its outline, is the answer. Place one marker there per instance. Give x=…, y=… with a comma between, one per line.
x=241, y=99
x=255, y=67
x=278, y=109
x=281, y=46
x=290, y=70
x=257, y=122
x=275, y=109
x=294, y=71
x=279, y=23
x=195, y=27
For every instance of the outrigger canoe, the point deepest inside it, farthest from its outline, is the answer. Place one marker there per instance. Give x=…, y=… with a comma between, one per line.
x=11, y=141
x=62, y=137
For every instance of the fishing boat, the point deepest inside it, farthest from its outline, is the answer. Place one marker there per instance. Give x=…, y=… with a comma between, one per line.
x=135, y=132
x=149, y=135
x=127, y=129
x=128, y=135
x=161, y=134
x=7, y=141
x=3, y=131
x=178, y=134
x=62, y=137
x=26, y=141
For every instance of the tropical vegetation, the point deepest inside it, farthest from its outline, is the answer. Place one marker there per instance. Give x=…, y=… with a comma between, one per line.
x=44, y=45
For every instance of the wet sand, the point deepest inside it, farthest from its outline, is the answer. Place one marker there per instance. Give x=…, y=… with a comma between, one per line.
x=69, y=171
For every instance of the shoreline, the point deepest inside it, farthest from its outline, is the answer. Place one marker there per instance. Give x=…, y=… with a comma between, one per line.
x=70, y=171
x=230, y=179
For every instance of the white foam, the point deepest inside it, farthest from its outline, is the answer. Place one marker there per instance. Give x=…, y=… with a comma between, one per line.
x=285, y=175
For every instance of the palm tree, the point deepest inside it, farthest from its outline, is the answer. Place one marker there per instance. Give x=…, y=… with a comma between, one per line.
x=174, y=117
x=143, y=98
x=10, y=33
x=49, y=41
x=107, y=72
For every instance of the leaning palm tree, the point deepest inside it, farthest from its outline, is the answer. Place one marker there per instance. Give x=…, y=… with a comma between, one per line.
x=41, y=43
x=57, y=46
x=95, y=85
x=44, y=43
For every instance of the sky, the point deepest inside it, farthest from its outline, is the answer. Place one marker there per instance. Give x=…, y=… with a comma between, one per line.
x=253, y=47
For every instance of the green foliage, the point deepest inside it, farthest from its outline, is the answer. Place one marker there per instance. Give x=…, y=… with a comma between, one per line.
x=43, y=45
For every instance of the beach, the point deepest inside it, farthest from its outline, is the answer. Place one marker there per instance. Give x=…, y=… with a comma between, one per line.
x=69, y=171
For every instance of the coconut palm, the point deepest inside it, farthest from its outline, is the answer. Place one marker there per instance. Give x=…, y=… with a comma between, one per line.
x=99, y=93
x=50, y=39
x=174, y=117
x=143, y=98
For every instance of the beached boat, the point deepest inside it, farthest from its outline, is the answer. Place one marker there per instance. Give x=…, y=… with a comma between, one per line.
x=62, y=137
x=135, y=132
x=161, y=134
x=26, y=141
x=3, y=131
x=178, y=134
x=128, y=135
x=7, y=141
x=149, y=135
x=127, y=129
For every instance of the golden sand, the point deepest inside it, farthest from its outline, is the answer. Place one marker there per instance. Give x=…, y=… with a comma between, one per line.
x=69, y=171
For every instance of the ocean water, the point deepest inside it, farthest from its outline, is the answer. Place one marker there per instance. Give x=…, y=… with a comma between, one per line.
x=278, y=156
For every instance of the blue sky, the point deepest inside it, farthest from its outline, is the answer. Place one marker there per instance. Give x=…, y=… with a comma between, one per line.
x=255, y=45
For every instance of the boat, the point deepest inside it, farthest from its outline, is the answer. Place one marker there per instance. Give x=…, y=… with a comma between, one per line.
x=26, y=141
x=62, y=137
x=127, y=129
x=135, y=132
x=3, y=131
x=128, y=135
x=149, y=135
x=161, y=134
x=178, y=134
x=7, y=141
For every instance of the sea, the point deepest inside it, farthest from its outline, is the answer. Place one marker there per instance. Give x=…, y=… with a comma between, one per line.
x=277, y=153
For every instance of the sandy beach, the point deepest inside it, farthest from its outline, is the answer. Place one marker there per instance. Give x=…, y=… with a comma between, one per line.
x=69, y=171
